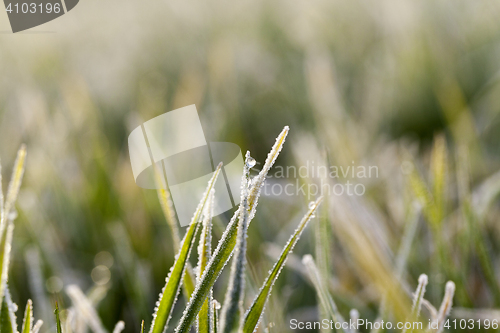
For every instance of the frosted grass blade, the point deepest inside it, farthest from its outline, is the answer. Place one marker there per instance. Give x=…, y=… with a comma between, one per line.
x=253, y=315
x=85, y=309
x=324, y=296
x=169, y=293
x=28, y=318
x=233, y=302
x=37, y=326
x=5, y=247
x=168, y=211
x=204, y=252
x=227, y=242
x=119, y=327
x=8, y=320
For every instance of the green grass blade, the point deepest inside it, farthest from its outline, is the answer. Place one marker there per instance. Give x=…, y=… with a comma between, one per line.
x=169, y=294
x=326, y=300
x=28, y=318
x=253, y=315
x=204, y=252
x=8, y=318
x=58, y=319
x=166, y=204
x=233, y=302
x=215, y=306
x=5, y=247
x=227, y=242
x=142, y=326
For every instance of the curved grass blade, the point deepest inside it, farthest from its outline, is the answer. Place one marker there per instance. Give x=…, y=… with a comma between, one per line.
x=233, y=302
x=204, y=252
x=28, y=318
x=169, y=294
x=254, y=313
x=8, y=320
x=227, y=242
x=324, y=296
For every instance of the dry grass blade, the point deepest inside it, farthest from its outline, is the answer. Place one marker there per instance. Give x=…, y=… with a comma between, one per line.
x=227, y=242
x=254, y=313
x=15, y=181
x=169, y=293
x=439, y=167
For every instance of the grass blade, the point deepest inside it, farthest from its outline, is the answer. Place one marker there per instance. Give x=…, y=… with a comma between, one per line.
x=227, y=242
x=142, y=326
x=168, y=212
x=119, y=327
x=5, y=247
x=85, y=308
x=324, y=296
x=446, y=305
x=233, y=302
x=58, y=319
x=28, y=318
x=37, y=326
x=8, y=320
x=214, y=328
x=204, y=252
x=15, y=182
x=253, y=315
x=169, y=294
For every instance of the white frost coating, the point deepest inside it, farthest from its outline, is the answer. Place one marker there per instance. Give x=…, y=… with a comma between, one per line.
x=418, y=297
x=85, y=308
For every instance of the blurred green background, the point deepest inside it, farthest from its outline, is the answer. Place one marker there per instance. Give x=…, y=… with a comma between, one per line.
x=361, y=81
